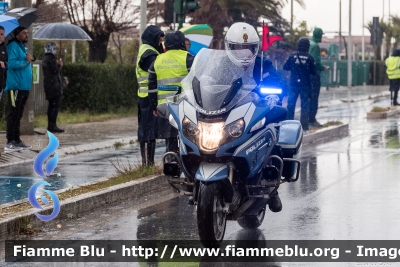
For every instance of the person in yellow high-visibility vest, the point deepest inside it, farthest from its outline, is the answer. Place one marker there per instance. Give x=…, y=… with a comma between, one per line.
x=392, y=65
x=166, y=74
x=147, y=131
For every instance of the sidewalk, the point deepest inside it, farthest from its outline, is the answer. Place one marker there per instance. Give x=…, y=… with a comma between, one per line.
x=97, y=135
x=78, y=137
x=338, y=95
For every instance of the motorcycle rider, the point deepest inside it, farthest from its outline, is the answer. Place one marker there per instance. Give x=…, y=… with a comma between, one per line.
x=241, y=46
x=147, y=131
x=166, y=74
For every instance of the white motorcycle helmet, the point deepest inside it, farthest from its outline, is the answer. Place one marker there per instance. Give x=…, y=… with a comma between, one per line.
x=241, y=44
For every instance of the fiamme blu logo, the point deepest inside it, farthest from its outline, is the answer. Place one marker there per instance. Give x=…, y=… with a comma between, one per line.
x=45, y=168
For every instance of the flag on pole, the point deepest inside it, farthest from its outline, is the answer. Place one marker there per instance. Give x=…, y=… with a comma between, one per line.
x=268, y=40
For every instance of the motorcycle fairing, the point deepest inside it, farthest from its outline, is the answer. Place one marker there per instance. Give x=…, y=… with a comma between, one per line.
x=256, y=148
x=209, y=172
x=251, y=114
x=290, y=139
x=245, y=111
x=290, y=135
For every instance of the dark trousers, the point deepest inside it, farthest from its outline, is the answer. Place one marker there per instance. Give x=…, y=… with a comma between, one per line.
x=14, y=114
x=294, y=93
x=315, y=89
x=172, y=145
x=52, y=109
x=394, y=90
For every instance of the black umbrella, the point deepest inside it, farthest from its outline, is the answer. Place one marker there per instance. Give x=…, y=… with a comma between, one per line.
x=61, y=31
x=25, y=15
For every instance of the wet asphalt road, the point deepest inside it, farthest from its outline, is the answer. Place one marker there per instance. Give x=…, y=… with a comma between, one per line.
x=348, y=190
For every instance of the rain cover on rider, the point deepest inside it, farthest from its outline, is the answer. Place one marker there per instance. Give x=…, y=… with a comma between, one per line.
x=216, y=74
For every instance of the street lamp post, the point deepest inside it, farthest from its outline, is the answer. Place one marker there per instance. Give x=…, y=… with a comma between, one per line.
x=143, y=16
x=340, y=27
x=291, y=16
x=349, y=44
x=362, y=42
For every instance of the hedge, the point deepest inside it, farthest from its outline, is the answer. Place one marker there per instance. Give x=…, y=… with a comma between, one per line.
x=99, y=87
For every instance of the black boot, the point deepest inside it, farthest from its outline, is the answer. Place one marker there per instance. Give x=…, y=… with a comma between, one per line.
x=275, y=203
x=143, y=153
x=52, y=127
x=151, y=149
x=395, y=103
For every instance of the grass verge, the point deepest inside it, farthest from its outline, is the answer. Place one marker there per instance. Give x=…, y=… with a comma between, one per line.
x=126, y=172
x=325, y=125
x=379, y=109
x=66, y=117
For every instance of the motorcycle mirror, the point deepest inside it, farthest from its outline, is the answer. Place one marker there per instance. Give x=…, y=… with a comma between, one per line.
x=163, y=111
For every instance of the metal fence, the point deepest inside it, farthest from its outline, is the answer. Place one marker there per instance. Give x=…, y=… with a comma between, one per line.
x=40, y=101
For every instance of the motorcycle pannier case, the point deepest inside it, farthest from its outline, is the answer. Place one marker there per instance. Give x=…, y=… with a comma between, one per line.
x=290, y=139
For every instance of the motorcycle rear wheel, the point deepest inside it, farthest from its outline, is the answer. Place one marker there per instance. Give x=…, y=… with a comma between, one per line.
x=211, y=219
x=252, y=221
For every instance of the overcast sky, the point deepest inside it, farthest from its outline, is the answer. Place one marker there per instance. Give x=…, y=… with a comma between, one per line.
x=325, y=14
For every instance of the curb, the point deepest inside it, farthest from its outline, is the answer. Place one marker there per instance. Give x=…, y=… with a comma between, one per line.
x=382, y=115
x=72, y=207
x=361, y=98
x=126, y=191
x=326, y=135
x=93, y=146
x=30, y=155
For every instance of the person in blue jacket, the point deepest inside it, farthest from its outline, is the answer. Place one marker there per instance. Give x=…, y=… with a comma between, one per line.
x=18, y=85
x=302, y=66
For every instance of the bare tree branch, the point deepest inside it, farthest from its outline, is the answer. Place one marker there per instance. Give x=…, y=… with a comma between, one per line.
x=100, y=19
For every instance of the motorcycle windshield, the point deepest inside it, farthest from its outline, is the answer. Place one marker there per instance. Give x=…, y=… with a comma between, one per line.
x=215, y=84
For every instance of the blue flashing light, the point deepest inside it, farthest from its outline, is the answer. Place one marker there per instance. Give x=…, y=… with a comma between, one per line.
x=271, y=90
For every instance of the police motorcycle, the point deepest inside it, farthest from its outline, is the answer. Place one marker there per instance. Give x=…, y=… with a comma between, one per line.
x=235, y=146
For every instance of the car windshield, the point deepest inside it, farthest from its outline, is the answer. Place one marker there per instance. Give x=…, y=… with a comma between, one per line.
x=214, y=84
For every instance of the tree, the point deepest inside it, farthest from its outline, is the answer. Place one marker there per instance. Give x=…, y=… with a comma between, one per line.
x=223, y=13
x=293, y=36
x=123, y=48
x=49, y=12
x=99, y=19
x=377, y=49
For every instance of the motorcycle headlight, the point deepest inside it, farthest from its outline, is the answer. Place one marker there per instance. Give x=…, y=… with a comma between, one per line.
x=190, y=130
x=210, y=136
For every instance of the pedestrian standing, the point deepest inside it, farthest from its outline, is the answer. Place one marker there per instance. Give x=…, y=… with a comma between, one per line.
x=392, y=65
x=166, y=75
x=52, y=85
x=151, y=47
x=18, y=85
x=3, y=61
x=302, y=66
x=315, y=52
x=187, y=44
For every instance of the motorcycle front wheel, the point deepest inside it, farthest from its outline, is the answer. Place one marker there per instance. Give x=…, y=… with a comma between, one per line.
x=211, y=219
x=252, y=221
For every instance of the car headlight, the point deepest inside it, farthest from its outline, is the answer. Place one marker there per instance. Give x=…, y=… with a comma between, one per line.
x=210, y=136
